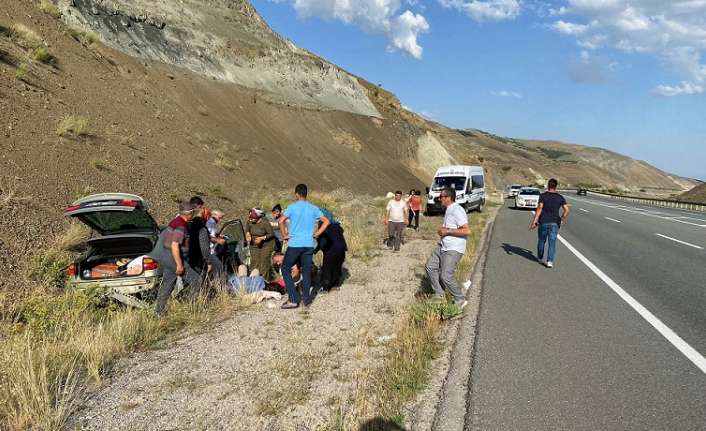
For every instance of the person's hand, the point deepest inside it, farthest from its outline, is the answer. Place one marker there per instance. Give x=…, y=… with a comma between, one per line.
x=257, y=240
x=179, y=269
x=533, y=225
x=220, y=241
x=209, y=267
x=385, y=222
x=443, y=232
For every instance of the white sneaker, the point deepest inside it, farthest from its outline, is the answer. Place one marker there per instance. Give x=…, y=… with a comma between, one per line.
x=466, y=286
x=462, y=305
x=550, y=265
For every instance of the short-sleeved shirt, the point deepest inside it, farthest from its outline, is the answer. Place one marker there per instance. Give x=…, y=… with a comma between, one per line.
x=396, y=209
x=415, y=203
x=552, y=204
x=177, y=231
x=275, y=225
x=454, y=218
x=303, y=217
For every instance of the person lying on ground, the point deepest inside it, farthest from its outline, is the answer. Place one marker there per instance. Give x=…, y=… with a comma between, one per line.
x=242, y=283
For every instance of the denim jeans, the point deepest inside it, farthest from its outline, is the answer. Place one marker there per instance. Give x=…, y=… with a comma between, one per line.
x=548, y=231
x=303, y=255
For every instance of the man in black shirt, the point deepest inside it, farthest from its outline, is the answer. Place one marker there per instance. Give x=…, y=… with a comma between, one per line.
x=548, y=219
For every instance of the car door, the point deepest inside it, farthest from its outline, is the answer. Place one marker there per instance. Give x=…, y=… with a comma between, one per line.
x=237, y=249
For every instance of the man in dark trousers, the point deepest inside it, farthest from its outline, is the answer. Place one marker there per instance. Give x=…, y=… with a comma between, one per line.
x=333, y=244
x=548, y=220
x=174, y=260
x=299, y=230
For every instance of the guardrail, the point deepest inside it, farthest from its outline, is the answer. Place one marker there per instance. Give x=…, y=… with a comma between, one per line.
x=654, y=202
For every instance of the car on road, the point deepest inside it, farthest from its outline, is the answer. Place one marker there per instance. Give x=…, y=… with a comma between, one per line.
x=527, y=197
x=125, y=248
x=582, y=192
x=512, y=190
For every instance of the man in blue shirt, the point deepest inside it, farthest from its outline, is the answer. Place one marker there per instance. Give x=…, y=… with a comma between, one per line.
x=300, y=236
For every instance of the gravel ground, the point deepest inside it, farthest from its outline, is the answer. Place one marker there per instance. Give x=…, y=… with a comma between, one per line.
x=265, y=368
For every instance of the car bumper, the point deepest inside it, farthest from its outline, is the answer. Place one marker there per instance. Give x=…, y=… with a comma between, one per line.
x=526, y=204
x=124, y=286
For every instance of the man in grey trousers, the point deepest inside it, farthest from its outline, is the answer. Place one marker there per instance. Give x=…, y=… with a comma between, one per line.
x=441, y=266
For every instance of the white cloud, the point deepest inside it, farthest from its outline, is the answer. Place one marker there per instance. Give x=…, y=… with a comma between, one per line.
x=375, y=16
x=506, y=93
x=482, y=10
x=674, y=31
x=683, y=89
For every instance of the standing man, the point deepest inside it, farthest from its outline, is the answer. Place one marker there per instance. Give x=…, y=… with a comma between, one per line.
x=217, y=242
x=395, y=219
x=549, y=221
x=175, y=257
x=273, y=218
x=441, y=266
x=300, y=238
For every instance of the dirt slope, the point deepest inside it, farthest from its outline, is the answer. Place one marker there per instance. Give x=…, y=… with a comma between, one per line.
x=696, y=195
x=235, y=113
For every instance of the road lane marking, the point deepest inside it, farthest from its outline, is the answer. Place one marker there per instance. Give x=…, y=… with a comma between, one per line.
x=679, y=241
x=647, y=213
x=586, y=211
x=612, y=219
x=691, y=354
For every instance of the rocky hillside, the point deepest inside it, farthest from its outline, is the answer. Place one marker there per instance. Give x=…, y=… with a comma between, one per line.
x=166, y=99
x=696, y=195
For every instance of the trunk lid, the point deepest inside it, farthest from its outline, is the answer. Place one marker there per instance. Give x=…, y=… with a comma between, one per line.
x=113, y=213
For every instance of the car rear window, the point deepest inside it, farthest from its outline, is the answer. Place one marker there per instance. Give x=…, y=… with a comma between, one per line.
x=530, y=192
x=114, y=221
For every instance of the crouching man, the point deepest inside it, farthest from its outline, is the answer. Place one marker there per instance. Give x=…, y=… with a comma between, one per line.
x=175, y=257
x=441, y=266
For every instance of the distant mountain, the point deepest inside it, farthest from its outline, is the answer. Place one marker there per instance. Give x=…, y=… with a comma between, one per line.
x=695, y=195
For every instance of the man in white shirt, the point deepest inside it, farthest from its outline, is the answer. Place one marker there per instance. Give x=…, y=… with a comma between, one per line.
x=396, y=220
x=441, y=266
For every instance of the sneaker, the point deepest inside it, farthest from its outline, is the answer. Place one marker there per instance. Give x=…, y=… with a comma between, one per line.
x=462, y=305
x=550, y=264
x=466, y=286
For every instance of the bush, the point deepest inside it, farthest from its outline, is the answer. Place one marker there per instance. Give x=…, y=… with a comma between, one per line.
x=84, y=37
x=72, y=125
x=22, y=72
x=43, y=55
x=25, y=36
x=49, y=8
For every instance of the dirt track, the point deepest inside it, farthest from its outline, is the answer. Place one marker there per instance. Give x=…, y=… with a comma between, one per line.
x=266, y=368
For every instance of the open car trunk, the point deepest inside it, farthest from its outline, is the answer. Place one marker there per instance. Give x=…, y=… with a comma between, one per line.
x=116, y=256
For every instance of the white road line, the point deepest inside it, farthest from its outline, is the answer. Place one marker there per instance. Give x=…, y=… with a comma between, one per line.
x=612, y=219
x=679, y=241
x=647, y=213
x=586, y=211
x=694, y=356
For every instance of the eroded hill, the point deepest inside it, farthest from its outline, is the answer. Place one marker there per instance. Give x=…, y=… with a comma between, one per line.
x=166, y=99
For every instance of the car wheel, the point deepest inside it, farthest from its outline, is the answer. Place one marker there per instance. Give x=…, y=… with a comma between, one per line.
x=480, y=207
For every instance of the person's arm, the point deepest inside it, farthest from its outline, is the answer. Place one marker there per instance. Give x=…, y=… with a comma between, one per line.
x=269, y=232
x=387, y=215
x=535, y=220
x=460, y=232
x=176, y=254
x=283, y=228
x=406, y=212
x=325, y=222
x=565, y=214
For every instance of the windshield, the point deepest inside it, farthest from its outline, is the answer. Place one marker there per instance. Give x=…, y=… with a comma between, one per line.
x=440, y=183
x=515, y=187
x=116, y=221
x=531, y=192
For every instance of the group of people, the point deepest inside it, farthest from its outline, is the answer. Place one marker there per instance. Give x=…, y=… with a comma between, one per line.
x=282, y=245
x=400, y=213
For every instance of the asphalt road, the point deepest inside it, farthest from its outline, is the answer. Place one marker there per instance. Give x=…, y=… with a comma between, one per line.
x=567, y=349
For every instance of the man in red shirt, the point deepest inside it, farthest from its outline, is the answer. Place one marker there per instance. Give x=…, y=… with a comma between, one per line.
x=174, y=261
x=415, y=207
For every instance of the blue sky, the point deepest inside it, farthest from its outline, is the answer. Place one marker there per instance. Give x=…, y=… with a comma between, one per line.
x=623, y=75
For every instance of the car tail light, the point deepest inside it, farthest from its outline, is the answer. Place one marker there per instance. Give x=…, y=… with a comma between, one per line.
x=71, y=270
x=72, y=208
x=149, y=264
x=129, y=203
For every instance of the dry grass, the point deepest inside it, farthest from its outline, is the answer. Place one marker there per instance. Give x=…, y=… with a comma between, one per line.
x=43, y=55
x=86, y=38
x=22, y=72
x=72, y=125
x=63, y=341
x=25, y=36
x=49, y=8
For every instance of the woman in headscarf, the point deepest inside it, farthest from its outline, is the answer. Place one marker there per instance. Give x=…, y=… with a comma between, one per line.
x=333, y=244
x=261, y=237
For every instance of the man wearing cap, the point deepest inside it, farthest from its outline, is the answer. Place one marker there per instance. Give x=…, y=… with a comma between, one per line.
x=174, y=261
x=396, y=219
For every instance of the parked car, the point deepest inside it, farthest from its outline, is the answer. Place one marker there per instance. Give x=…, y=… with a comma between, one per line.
x=582, y=192
x=512, y=190
x=527, y=197
x=125, y=247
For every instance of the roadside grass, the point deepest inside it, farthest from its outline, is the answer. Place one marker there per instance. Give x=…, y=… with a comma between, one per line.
x=22, y=72
x=25, y=36
x=72, y=126
x=43, y=55
x=86, y=38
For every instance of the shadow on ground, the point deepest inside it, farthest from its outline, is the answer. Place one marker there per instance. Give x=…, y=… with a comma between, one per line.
x=379, y=424
x=519, y=251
